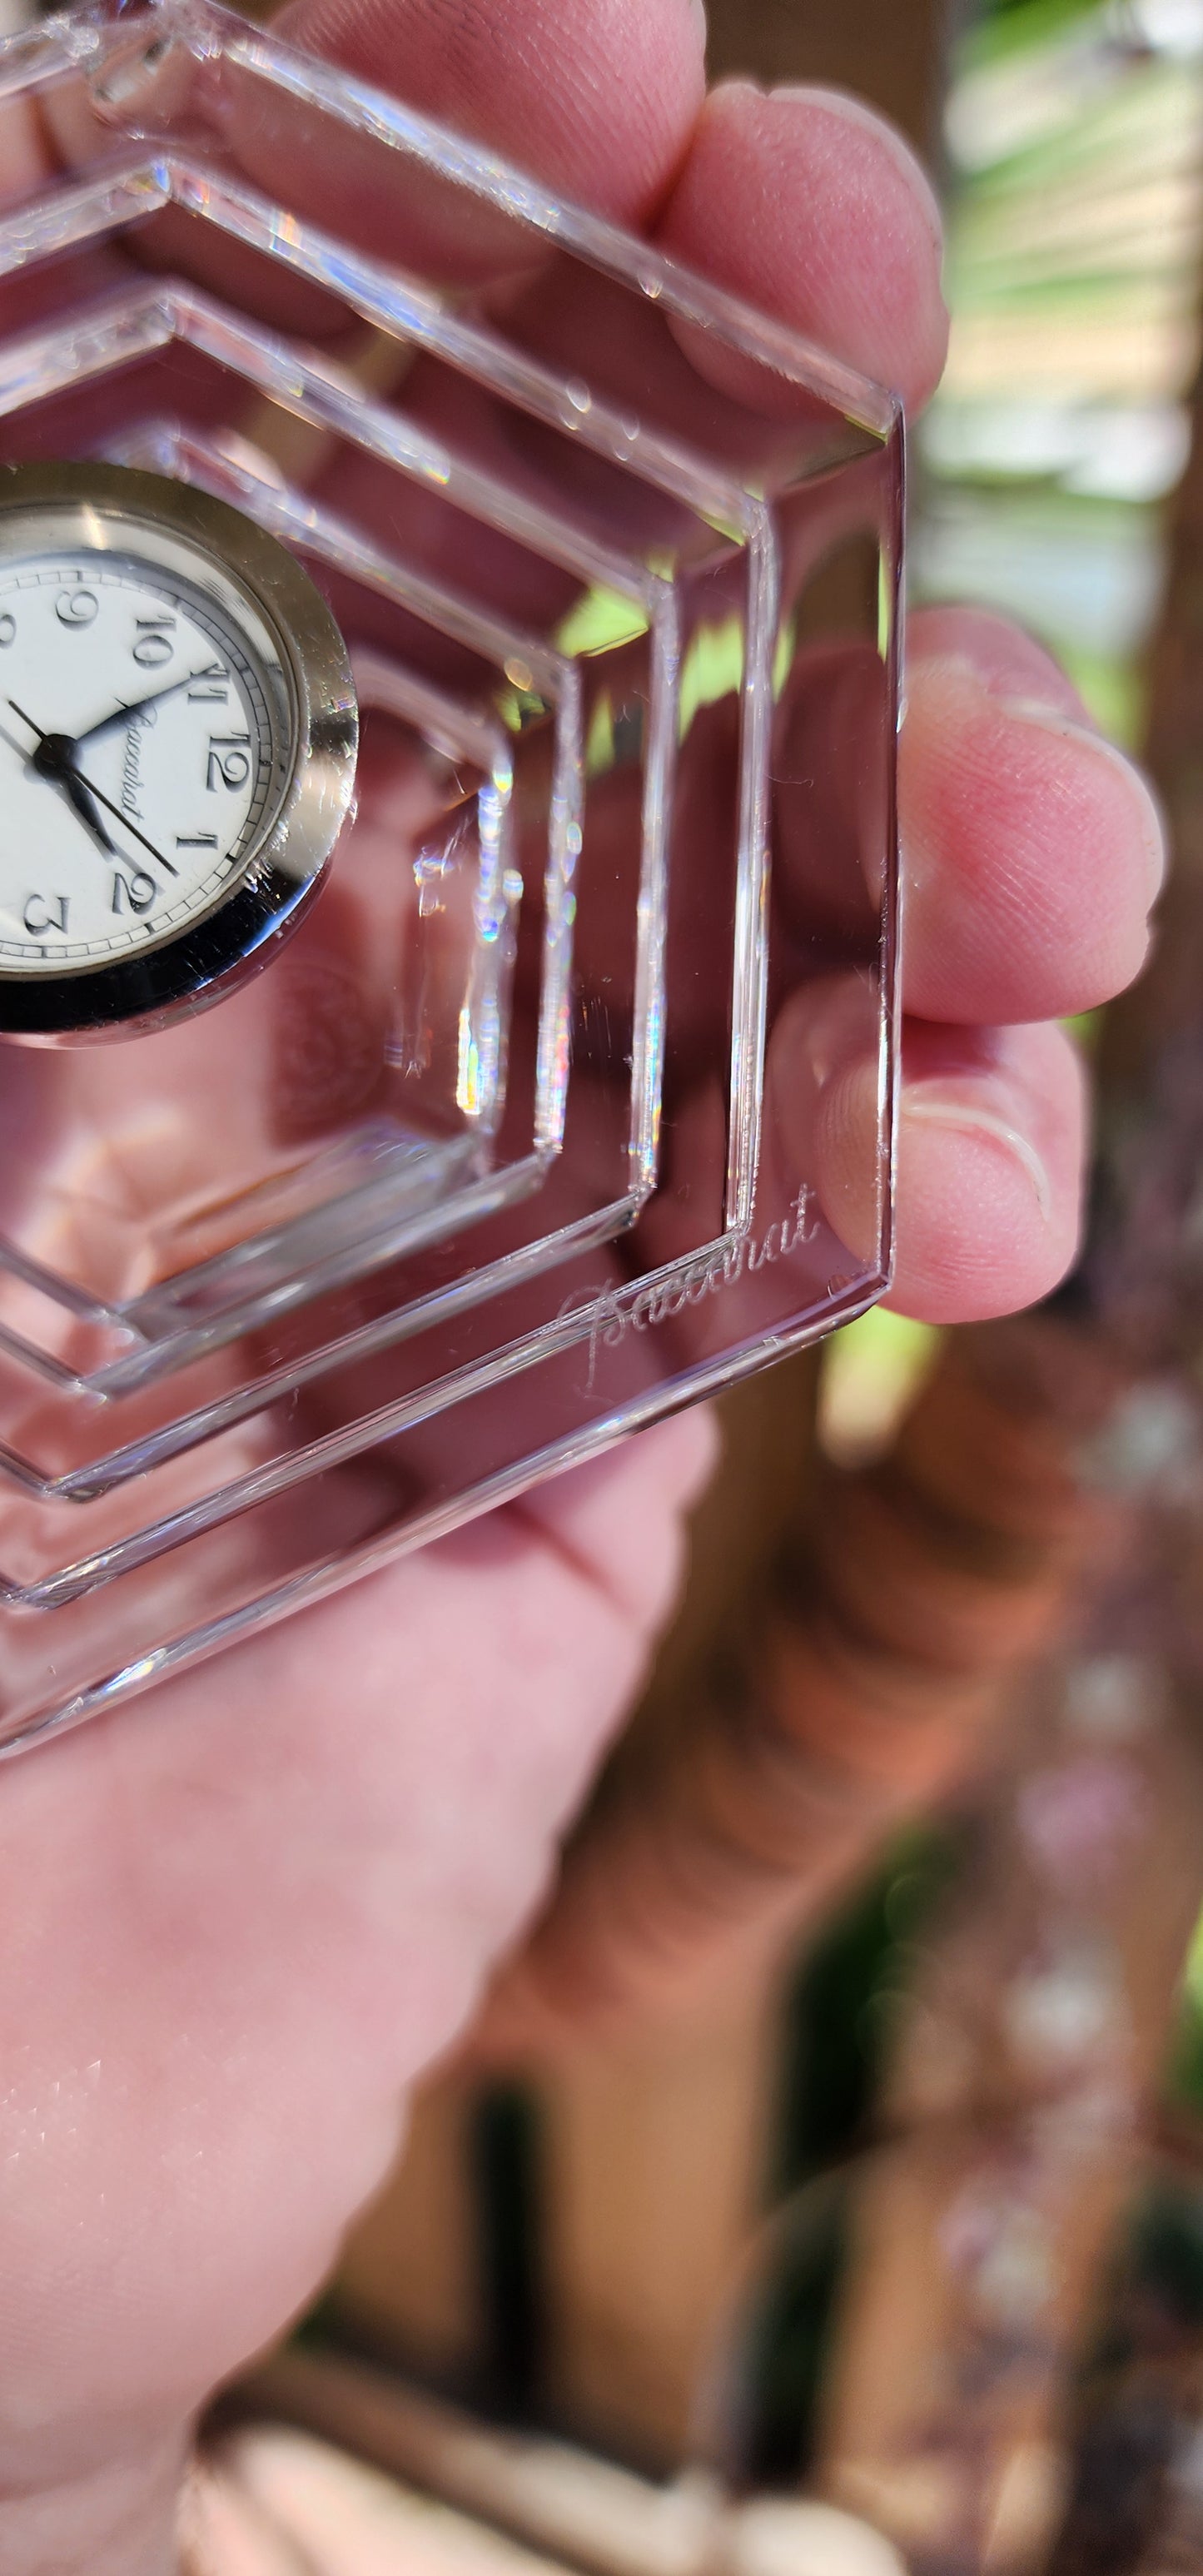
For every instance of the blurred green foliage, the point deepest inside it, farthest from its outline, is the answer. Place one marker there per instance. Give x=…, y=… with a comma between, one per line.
x=1003, y=25
x=1184, y=2075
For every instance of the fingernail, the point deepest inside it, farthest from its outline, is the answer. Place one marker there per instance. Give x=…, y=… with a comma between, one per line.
x=1146, y=812
x=701, y=24
x=1007, y=664
x=931, y=1106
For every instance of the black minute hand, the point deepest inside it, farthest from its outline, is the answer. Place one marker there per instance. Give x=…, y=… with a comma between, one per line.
x=78, y=795
x=110, y=808
x=121, y=714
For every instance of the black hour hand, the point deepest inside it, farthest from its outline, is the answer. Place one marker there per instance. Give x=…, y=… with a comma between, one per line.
x=54, y=759
x=86, y=810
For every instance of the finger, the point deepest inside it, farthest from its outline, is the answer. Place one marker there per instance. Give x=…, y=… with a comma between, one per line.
x=809, y=205
x=25, y=162
x=990, y=1158
x=598, y=97
x=1032, y=849
x=587, y=1515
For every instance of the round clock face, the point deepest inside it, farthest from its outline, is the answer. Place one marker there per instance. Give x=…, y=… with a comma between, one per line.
x=176, y=746
x=146, y=737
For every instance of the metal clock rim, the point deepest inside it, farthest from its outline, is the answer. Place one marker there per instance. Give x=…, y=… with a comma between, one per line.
x=284, y=869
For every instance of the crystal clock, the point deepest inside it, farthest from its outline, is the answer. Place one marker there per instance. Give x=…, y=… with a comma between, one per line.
x=177, y=745
x=463, y=645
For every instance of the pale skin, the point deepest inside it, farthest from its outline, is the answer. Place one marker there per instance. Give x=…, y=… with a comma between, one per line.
x=239, y=1918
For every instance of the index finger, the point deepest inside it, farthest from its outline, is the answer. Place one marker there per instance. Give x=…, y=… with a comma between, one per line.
x=596, y=97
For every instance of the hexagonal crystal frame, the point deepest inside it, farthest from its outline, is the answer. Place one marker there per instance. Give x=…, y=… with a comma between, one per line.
x=332, y=1267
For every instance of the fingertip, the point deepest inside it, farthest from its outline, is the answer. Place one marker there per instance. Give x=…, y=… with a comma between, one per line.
x=803, y=200
x=1033, y=850
x=991, y=1150
x=990, y=1169
x=596, y=97
x=879, y=137
x=1137, y=821
x=1008, y=659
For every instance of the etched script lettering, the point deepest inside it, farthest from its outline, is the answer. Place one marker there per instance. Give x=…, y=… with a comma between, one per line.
x=616, y=1313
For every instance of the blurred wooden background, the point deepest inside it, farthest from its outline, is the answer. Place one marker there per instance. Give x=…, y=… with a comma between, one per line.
x=650, y=2242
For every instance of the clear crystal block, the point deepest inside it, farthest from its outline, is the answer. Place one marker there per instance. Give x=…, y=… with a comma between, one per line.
x=528, y=1134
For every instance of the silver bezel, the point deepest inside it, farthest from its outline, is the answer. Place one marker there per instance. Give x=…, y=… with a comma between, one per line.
x=98, y=506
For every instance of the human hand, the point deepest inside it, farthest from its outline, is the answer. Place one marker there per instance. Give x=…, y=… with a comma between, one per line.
x=242, y=1915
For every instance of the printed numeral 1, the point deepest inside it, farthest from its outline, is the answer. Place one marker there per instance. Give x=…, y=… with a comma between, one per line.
x=213, y=687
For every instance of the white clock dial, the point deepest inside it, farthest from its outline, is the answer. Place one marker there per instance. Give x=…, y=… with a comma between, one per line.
x=147, y=739
x=178, y=739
